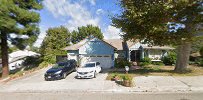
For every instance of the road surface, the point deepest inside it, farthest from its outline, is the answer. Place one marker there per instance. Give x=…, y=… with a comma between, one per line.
x=100, y=96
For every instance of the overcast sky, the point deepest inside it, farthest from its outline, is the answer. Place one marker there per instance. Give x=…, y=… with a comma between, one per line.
x=75, y=13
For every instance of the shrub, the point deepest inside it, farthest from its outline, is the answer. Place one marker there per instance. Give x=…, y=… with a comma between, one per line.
x=31, y=62
x=122, y=79
x=201, y=51
x=158, y=63
x=127, y=80
x=122, y=63
x=145, y=61
x=43, y=64
x=127, y=77
x=199, y=62
x=50, y=58
x=170, y=59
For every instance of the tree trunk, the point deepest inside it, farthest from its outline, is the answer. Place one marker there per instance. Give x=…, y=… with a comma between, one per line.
x=182, y=57
x=4, y=51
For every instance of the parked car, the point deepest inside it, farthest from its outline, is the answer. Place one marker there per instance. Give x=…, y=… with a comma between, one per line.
x=89, y=70
x=60, y=70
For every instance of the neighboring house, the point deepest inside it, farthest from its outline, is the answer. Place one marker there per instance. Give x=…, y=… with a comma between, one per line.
x=105, y=51
x=137, y=51
x=17, y=58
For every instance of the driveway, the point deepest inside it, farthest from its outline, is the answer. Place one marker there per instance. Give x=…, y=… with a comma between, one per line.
x=36, y=83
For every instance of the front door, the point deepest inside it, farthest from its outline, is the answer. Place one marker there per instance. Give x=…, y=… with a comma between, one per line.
x=132, y=55
x=135, y=55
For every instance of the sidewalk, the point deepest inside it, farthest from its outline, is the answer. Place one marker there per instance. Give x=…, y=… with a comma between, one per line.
x=161, y=84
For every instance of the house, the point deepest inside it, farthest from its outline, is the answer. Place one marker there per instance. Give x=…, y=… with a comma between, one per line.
x=106, y=51
x=17, y=58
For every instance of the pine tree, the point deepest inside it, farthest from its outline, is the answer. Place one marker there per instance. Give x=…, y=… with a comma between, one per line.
x=56, y=39
x=17, y=17
x=85, y=31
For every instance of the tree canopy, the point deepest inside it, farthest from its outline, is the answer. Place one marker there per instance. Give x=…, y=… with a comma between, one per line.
x=18, y=17
x=160, y=21
x=84, y=31
x=56, y=39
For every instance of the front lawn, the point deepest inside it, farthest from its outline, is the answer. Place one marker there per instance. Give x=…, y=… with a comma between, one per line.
x=155, y=70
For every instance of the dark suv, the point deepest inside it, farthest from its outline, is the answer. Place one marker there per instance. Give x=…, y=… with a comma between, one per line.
x=60, y=70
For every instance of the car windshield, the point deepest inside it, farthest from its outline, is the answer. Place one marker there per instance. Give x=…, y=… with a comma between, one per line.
x=90, y=65
x=58, y=66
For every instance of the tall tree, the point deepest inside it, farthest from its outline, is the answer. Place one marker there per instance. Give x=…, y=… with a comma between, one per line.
x=56, y=39
x=17, y=17
x=85, y=31
x=162, y=22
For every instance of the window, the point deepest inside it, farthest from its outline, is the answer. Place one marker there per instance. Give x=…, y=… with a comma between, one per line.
x=90, y=65
x=97, y=63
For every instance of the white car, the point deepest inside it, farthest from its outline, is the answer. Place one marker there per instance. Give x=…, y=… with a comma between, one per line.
x=89, y=70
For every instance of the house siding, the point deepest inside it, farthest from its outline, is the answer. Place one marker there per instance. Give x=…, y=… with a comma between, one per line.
x=92, y=50
x=96, y=47
x=73, y=54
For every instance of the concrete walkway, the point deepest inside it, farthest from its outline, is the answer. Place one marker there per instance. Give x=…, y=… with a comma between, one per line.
x=36, y=83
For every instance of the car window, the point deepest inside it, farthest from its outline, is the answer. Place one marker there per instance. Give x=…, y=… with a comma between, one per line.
x=97, y=63
x=90, y=65
x=64, y=63
x=58, y=66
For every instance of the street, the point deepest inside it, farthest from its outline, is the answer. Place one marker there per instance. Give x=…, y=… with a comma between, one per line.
x=100, y=96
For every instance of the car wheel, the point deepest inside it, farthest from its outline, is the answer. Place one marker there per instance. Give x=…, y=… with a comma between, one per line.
x=101, y=70
x=45, y=79
x=64, y=75
x=74, y=70
x=94, y=74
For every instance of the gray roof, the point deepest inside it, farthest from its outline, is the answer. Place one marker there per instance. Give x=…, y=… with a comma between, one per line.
x=117, y=43
x=131, y=43
x=158, y=47
x=76, y=46
x=81, y=43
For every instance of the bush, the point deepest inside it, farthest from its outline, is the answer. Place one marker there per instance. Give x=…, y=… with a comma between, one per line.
x=31, y=62
x=127, y=80
x=199, y=62
x=50, y=58
x=122, y=63
x=122, y=79
x=43, y=64
x=201, y=51
x=145, y=61
x=126, y=77
x=160, y=63
x=170, y=59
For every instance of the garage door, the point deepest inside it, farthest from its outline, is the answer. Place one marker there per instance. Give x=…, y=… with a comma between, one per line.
x=104, y=60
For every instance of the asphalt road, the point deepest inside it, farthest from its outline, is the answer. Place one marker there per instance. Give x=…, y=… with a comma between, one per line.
x=101, y=96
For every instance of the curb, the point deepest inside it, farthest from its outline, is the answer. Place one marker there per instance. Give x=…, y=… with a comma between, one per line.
x=4, y=79
x=102, y=91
